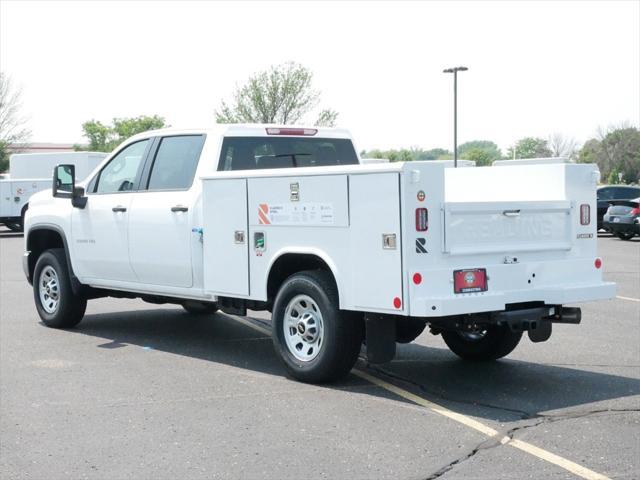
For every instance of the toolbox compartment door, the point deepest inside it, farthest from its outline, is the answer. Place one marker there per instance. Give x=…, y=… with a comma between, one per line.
x=374, y=208
x=225, y=237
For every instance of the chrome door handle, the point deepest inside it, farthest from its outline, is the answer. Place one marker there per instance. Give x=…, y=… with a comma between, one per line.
x=119, y=208
x=511, y=213
x=179, y=208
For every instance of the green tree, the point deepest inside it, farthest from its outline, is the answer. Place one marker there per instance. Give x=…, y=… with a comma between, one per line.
x=408, y=155
x=483, y=152
x=433, y=154
x=104, y=138
x=530, y=147
x=128, y=127
x=12, y=123
x=615, y=151
x=284, y=94
x=481, y=156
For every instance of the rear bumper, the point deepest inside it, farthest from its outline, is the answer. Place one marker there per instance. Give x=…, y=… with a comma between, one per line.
x=623, y=226
x=498, y=301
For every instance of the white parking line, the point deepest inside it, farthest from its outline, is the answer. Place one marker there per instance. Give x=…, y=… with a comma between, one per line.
x=531, y=449
x=629, y=298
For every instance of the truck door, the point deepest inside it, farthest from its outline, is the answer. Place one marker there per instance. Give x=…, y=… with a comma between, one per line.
x=100, y=231
x=161, y=215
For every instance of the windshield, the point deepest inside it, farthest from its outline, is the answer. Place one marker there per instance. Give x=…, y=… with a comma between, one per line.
x=250, y=153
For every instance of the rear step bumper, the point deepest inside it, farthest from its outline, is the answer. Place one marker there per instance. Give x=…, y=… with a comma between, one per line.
x=496, y=302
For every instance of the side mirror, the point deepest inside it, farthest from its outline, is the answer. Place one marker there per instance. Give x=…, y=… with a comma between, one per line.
x=64, y=185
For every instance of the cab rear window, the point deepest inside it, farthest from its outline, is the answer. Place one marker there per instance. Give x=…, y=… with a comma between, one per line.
x=251, y=153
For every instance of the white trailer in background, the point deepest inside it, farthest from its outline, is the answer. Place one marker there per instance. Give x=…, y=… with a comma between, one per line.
x=30, y=173
x=530, y=161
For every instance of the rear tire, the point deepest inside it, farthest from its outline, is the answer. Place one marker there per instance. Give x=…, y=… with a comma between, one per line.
x=56, y=303
x=494, y=343
x=625, y=236
x=197, y=308
x=14, y=227
x=408, y=329
x=316, y=341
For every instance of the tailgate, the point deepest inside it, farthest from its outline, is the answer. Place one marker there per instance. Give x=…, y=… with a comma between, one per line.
x=486, y=227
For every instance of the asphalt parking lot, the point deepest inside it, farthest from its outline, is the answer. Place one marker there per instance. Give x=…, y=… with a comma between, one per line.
x=144, y=391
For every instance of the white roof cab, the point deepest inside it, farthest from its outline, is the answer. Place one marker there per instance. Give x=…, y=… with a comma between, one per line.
x=287, y=219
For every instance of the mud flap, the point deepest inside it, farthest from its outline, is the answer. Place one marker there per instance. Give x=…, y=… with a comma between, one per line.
x=540, y=331
x=380, y=338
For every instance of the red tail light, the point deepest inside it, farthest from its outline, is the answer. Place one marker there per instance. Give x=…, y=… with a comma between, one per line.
x=470, y=280
x=422, y=219
x=585, y=214
x=634, y=212
x=292, y=131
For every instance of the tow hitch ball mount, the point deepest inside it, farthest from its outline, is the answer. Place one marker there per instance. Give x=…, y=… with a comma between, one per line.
x=537, y=321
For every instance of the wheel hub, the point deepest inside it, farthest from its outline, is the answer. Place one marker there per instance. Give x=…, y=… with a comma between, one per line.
x=303, y=328
x=49, y=289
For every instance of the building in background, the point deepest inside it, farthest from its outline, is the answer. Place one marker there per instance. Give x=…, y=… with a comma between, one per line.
x=40, y=147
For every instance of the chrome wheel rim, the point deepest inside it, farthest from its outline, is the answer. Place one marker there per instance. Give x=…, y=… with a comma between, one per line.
x=303, y=328
x=49, y=289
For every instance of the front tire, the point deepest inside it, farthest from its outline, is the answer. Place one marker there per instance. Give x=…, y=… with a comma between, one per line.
x=490, y=344
x=56, y=303
x=316, y=341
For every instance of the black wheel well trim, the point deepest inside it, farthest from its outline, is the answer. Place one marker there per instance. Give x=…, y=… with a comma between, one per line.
x=76, y=286
x=305, y=261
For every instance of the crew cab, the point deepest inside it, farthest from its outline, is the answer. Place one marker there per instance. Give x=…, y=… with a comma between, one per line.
x=286, y=219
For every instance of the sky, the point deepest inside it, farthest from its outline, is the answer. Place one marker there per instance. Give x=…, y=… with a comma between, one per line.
x=535, y=68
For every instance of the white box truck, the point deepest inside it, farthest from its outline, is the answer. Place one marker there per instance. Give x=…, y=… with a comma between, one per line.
x=30, y=173
x=287, y=220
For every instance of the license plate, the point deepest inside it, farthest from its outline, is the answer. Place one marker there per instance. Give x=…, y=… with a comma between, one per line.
x=470, y=280
x=616, y=220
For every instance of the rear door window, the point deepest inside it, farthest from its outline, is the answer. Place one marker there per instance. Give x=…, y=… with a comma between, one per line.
x=175, y=162
x=251, y=153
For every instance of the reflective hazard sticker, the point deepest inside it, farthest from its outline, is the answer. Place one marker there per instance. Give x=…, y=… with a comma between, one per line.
x=296, y=214
x=420, y=243
x=263, y=214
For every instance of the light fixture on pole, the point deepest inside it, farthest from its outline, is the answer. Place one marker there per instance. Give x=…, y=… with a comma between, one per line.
x=455, y=71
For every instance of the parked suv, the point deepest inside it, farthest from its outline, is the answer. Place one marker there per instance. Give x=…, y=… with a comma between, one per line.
x=609, y=193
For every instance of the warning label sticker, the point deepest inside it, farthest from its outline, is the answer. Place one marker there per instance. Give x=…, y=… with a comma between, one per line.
x=296, y=214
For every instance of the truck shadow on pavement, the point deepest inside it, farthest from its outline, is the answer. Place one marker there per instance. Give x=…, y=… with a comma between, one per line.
x=506, y=390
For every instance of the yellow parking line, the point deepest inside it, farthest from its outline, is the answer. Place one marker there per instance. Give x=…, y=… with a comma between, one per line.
x=568, y=465
x=629, y=298
x=538, y=452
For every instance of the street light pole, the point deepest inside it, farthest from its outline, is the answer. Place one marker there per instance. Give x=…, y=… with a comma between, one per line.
x=455, y=71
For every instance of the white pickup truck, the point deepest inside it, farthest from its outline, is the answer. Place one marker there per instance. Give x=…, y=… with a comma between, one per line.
x=286, y=219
